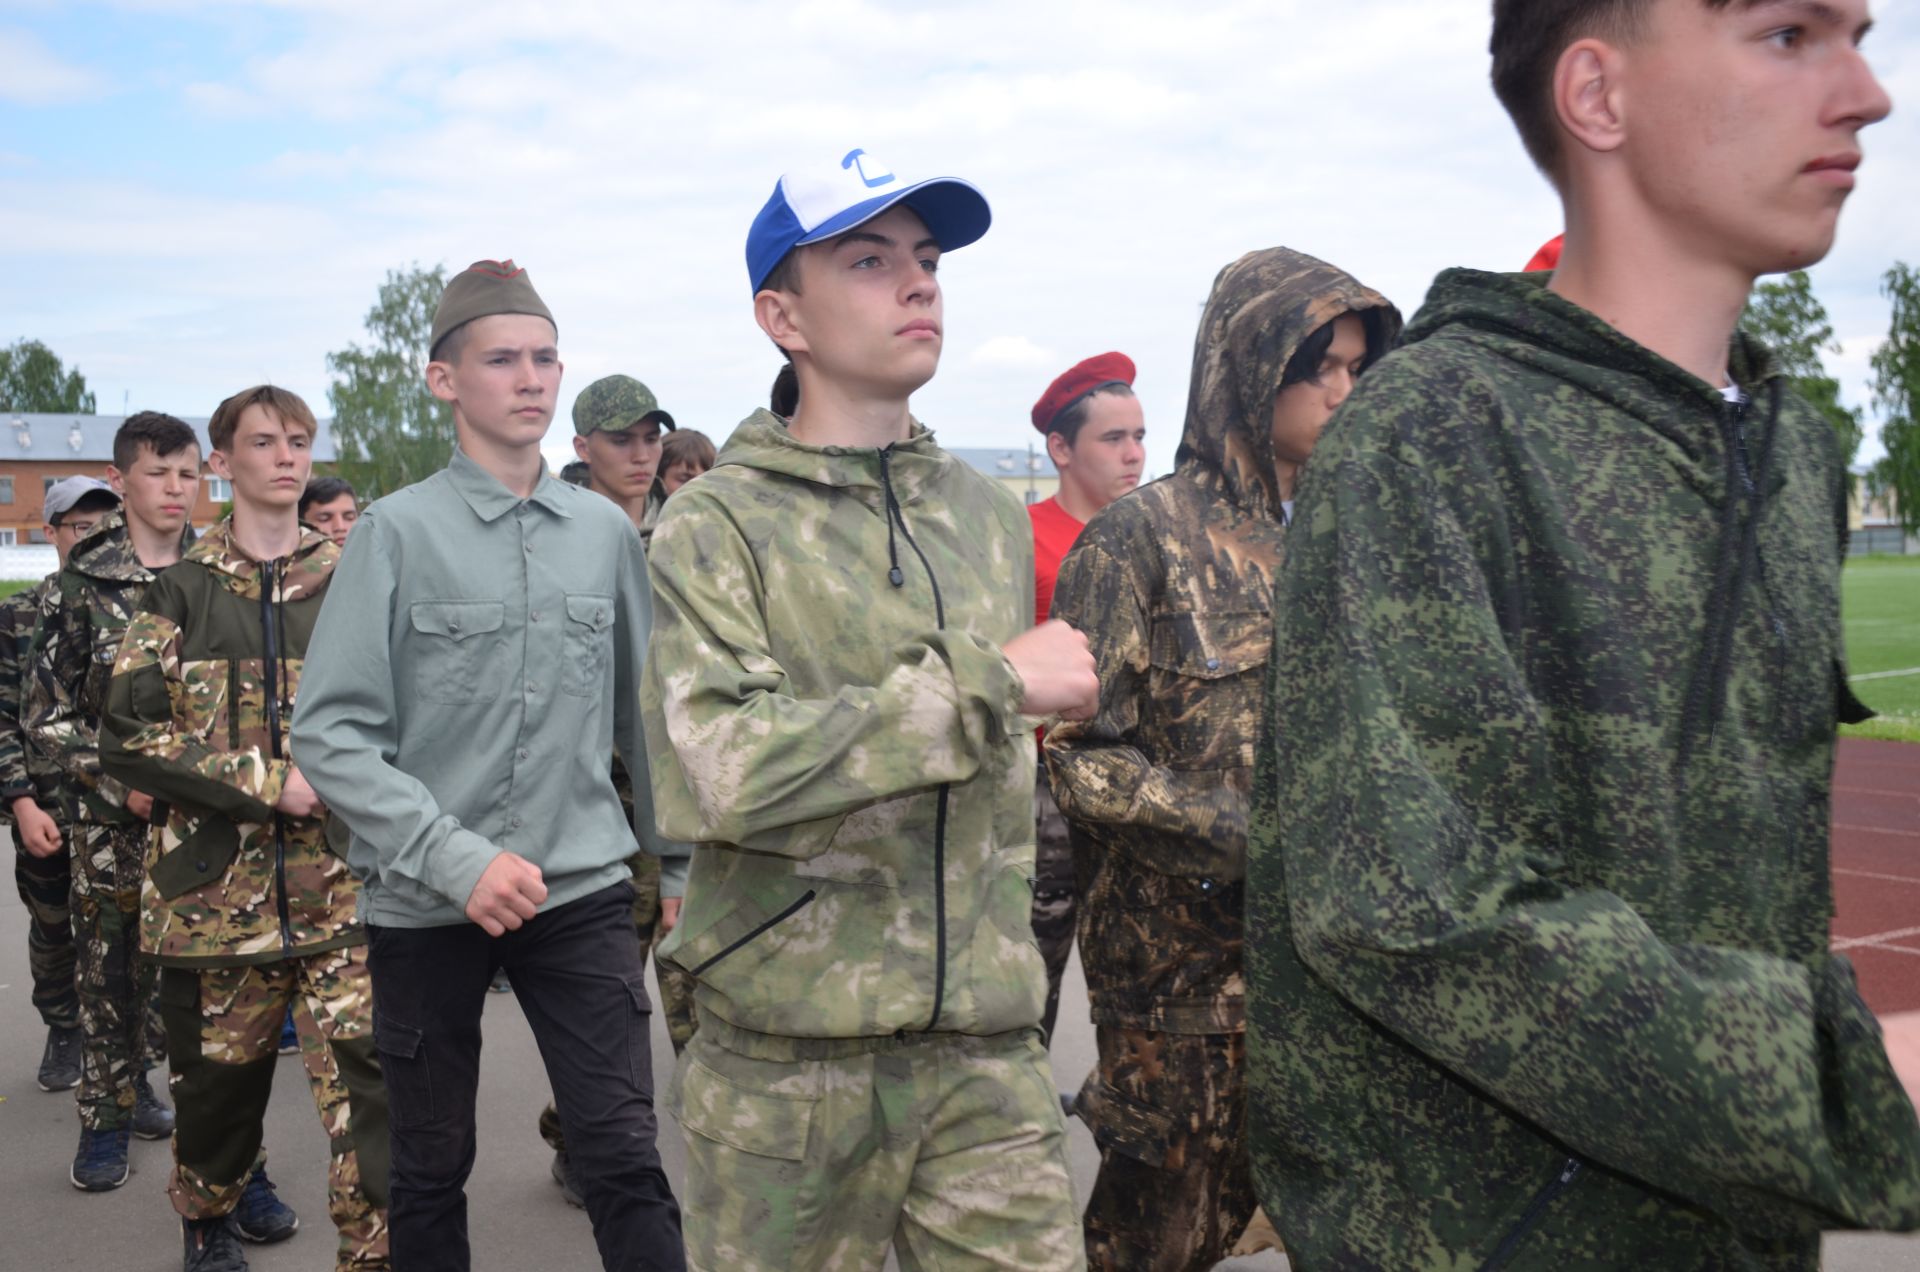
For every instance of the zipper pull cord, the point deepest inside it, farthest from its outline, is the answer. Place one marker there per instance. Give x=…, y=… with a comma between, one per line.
x=891, y=511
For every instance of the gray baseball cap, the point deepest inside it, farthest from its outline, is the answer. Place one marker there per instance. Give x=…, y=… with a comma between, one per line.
x=68, y=491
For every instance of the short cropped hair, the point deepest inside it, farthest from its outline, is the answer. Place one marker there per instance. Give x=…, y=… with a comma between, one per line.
x=157, y=431
x=323, y=490
x=292, y=410
x=1068, y=423
x=1528, y=38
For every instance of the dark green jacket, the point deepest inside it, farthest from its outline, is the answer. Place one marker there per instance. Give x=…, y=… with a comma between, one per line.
x=1538, y=883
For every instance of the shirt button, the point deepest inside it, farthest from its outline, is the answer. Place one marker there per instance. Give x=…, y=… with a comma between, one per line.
x=453, y=627
x=528, y=546
x=522, y=755
x=515, y=823
x=1213, y=664
x=530, y=688
x=534, y=617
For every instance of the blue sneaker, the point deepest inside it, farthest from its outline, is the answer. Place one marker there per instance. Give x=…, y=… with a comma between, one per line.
x=261, y=1217
x=289, y=1037
x=152, y=1119
x=212, y=1246
x=100, y=1165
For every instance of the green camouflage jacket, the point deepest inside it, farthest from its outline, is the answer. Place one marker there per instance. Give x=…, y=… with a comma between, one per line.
x=85, y=614
x=197, y=716
x=1173, y=587
x=1538, y=893
x=832, y=723
x=23, y=769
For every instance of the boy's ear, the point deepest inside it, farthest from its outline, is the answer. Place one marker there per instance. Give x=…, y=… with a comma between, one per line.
x=774, y=311
x=117, y=480
x=1059, y=449
x=217, y=460
x=440, y=381
x=579, y=446
x=1589, y=94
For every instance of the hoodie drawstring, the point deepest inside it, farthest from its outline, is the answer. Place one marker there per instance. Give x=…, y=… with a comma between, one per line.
x=891, y=513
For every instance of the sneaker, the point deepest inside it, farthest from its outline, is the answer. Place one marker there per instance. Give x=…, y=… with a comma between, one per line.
x=563, y=1175
x=100, y=1165
x=60, y=1062
x=152, y=1119
x=261, y=1217
x=212, y=1246
x=500, y=984
x=1069, y=1104
x=289, y=1037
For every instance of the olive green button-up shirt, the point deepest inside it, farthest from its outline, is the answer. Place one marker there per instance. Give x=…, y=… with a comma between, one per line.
x=477, y=661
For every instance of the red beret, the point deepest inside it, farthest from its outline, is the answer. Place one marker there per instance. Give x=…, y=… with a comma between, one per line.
x=1077, y=382
x=1548, y=257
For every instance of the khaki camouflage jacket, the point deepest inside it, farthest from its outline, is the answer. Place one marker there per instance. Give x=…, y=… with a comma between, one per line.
x=831, y=722
x=197, y=716
x=1538, y=889
x=84, y=615
x=23, y=769
x=1173, y=587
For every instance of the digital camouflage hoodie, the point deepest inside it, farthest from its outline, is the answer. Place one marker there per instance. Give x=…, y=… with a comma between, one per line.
x=1173, y=587
x=197, y=716
x=832, y=723
x=1538, y=892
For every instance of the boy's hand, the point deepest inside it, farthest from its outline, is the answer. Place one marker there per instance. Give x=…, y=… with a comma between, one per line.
x=297, y=797
x=669, y=914
x=1058, y=670
x=140, y=804
x=508, y=894
x=38, y=834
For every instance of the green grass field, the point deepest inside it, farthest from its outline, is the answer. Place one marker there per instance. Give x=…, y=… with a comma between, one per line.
x=1881, y=596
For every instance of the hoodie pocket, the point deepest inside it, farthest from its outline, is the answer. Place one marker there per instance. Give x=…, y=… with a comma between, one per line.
x=460, y=655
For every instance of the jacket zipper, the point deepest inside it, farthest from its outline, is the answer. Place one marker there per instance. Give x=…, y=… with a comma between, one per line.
x=775, y=921
x=269, y=629
x=1536, y=1209
x=897, y=517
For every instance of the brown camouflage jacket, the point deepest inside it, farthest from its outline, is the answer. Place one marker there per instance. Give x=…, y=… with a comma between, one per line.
x=197, y=715
x=83, y=616
x=23, y=769
x=1173, y=587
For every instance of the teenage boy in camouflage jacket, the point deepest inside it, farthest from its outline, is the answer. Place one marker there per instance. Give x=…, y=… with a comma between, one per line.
x=1174, y=588
x=246, y=907
x=1538, y=891
x=156, y=471
x=835, y=706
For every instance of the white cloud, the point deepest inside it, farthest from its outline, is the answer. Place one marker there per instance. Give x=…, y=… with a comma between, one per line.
x=31, y=74
x=1015, y=353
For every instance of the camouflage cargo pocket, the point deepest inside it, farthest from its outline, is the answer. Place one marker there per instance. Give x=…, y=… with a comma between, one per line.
x=1123, y=1125
x=199, y=859
x=749, y=1188
x=459, y=655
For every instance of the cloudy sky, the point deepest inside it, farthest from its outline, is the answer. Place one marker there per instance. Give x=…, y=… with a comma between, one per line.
x=197, y=196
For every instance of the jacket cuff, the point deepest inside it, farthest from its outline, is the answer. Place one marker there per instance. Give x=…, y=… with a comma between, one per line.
x=457, y=864
x=673, y=876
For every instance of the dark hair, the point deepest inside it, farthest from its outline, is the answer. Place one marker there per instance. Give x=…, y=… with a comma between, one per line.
x=1304, y=366
x=156, y=431
x=1528, y=38
x=575, y=472
x=288, y=405
x=687, y=445
x=92, y=501
x=322, y=490
x=1072, y=416
x=784, y=400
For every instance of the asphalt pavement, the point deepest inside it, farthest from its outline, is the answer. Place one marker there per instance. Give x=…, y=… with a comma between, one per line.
x=516, y=1217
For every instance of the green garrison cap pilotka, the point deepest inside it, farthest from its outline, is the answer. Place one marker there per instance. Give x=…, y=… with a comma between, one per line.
x=482, y=289
x=614, y=404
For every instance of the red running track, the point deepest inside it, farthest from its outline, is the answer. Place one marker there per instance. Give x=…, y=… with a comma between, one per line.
x=1876, y=870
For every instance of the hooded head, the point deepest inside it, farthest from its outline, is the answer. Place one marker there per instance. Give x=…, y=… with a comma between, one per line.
x=1262, y=309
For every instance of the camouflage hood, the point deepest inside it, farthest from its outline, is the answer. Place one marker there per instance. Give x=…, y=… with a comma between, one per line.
x=762, y=441
x=107, y=553
x=304, y=572
x=1261, y=310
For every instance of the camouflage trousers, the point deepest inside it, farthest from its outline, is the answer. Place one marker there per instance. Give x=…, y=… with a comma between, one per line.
x=1053, y=894
x=46, y=886
x=223, y=1036
x=1168, y=1112
x=676, y=987
x=950, y=1148
x=119, y=1029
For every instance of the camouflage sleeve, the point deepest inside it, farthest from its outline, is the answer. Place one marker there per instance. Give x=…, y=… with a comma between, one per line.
x=1416, y=802
x=61, y=721
x=16, y=637
x=739, y=760
x=1175, y=821
x=144, y=746
x=631, y=630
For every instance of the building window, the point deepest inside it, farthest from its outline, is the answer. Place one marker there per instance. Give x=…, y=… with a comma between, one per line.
x=37, y=535
x=219, y=489
x=6, y=538
x=6, y=490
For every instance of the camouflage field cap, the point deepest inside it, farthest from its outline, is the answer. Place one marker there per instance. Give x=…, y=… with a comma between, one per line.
x=614, y=404
x=482, y=289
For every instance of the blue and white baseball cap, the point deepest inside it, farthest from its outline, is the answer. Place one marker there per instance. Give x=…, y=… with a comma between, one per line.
x=817, y=204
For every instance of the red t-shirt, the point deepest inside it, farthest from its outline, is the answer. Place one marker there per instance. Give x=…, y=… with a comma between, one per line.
x=1054, y=532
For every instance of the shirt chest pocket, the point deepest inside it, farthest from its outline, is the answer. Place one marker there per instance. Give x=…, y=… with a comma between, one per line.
x=459, y=650
x=589, y=644
x=1207, y=678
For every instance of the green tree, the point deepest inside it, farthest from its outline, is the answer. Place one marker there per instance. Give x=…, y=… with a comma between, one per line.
x=1786, y=317
x=390, y=430
x=1896, y=391
x=33, y=379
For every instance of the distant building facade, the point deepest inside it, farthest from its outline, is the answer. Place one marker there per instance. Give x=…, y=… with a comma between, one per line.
x=1028, y=473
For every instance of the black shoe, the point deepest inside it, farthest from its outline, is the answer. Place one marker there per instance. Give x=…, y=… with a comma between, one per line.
x=213, y=1246
x=152, y=1120
x=261, y=1217
x=60, y=1062
x=100, y=1164
x=570, y=1190
x=1067, y=1105
x=500, y=984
